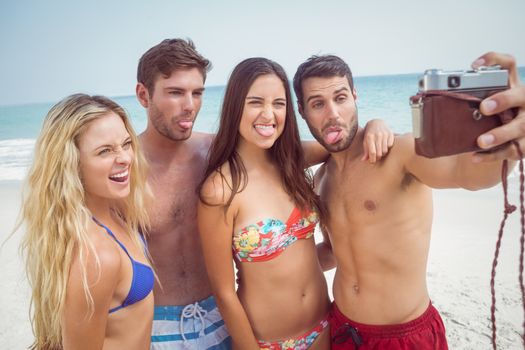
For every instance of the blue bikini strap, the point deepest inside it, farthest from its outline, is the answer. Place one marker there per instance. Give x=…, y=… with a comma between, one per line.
x=112, y=235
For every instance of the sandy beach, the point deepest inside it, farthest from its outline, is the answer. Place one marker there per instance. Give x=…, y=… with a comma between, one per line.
x=463, y=240
x=15, y=329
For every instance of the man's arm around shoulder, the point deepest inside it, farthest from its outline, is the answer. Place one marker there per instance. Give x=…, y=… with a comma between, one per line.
x=324, y=249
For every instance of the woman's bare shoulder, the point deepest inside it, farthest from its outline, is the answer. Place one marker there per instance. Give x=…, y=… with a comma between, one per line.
x=101, y=256
x=217, y=188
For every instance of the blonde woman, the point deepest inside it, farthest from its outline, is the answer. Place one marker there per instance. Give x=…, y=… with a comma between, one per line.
x=83, y=206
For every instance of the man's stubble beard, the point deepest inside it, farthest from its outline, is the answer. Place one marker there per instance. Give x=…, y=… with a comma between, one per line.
x=343, y=144
x=162, y=126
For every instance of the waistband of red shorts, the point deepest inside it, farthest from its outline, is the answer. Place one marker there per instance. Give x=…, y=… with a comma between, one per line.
x=389, y=330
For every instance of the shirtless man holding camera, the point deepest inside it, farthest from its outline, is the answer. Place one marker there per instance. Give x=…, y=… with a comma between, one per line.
x=380, y=216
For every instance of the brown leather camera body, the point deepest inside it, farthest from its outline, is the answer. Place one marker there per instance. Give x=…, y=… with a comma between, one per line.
x=449, y=123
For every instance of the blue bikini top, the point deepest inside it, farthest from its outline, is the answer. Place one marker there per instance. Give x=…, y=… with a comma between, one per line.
x=142, y=280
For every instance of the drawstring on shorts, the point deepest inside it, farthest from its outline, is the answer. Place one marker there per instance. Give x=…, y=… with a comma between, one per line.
x=192, y=311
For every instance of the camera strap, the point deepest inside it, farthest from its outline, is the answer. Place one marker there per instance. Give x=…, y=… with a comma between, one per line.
x=509, y=209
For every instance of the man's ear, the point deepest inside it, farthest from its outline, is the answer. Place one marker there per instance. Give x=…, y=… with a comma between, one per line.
x=300, y=109
x=142, y=95
x=354, y=93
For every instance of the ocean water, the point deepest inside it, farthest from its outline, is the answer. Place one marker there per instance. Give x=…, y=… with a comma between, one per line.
x=384, y=97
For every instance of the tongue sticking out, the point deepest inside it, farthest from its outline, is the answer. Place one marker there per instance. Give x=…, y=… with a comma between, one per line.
x=332, y=137
x=265, y=131
x=185, y=124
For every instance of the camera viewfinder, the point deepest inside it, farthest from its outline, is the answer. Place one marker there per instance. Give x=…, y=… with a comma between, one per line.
x=454, y=81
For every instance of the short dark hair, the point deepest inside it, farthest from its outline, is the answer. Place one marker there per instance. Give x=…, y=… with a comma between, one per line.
x=320, y=66
x=167, y=56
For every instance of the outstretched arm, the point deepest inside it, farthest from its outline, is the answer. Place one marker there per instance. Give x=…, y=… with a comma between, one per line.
x=458, y=171
x=480, y=170
x=216, y=227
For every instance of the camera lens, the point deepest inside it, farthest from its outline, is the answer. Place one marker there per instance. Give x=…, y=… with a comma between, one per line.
x=454, y=81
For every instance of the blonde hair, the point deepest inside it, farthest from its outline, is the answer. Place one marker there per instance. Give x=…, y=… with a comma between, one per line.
x=56, y=216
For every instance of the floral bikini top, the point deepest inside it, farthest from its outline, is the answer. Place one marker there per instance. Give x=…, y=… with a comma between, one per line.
x=268, y=238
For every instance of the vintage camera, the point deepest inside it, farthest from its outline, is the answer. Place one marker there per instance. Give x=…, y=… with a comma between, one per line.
x=445, y=112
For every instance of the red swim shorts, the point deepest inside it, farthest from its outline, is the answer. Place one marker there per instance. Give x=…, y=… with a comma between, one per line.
x=425, y=332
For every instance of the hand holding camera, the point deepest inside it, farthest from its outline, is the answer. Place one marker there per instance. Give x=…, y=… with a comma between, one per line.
x=514, y=97
x=446, y=114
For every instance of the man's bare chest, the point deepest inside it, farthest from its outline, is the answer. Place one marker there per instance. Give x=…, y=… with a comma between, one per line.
x=175, y=199
x=354, y=193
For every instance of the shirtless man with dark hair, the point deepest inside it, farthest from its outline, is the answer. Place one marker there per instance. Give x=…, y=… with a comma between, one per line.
x=380, y=216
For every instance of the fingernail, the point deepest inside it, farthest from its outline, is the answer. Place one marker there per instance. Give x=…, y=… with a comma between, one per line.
x=478, y=63
x=487, y=140
x=489, y=105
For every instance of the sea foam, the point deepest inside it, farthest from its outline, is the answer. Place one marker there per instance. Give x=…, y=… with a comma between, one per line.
x=15, y=158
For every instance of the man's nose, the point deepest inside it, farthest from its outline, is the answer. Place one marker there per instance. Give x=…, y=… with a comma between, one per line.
x=332, y=111
x=189, y=103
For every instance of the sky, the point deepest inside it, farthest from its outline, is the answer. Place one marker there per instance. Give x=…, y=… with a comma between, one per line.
x=50, y=49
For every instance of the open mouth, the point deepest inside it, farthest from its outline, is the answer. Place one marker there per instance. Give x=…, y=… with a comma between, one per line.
x=265, y=130
x=120, y=177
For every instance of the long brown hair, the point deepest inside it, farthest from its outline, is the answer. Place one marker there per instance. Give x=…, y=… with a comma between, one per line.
x=287, y=151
